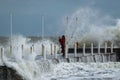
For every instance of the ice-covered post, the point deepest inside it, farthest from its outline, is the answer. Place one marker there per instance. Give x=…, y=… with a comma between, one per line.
x=105, y=47
x=92, y=48
x=111, y=47
x=66, y=51
x=99, y=48
x=75, y=50
x=84, y=49
x=2, y=55
x=55, y=51
x=51, y=48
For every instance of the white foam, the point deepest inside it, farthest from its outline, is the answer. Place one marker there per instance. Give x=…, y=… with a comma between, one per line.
x=40, y=69
x=66, y=71
x=92, y=27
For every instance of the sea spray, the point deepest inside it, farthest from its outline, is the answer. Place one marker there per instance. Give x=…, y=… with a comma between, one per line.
x=92, y=27
x=96, y=71
x=30, y=70
x=19, y=40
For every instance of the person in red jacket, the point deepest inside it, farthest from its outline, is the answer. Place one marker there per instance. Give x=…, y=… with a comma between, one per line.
x=62, y=43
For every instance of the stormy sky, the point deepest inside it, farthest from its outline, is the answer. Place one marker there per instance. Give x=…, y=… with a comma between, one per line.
x=27, y=14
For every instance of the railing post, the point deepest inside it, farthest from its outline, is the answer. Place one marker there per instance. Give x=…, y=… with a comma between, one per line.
x=105, y=47
x=98, y=48
x=75, y=50
x=51, y=49
x=84, y=49
x=44, y=52
x=66, y=51
x=111, y=47
x=92, y=48
x=42, y=49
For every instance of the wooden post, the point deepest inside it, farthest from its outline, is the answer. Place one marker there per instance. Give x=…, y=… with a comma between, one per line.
x=91, y=48
x=75, y=50
x=84, y=49
x=105, y=47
